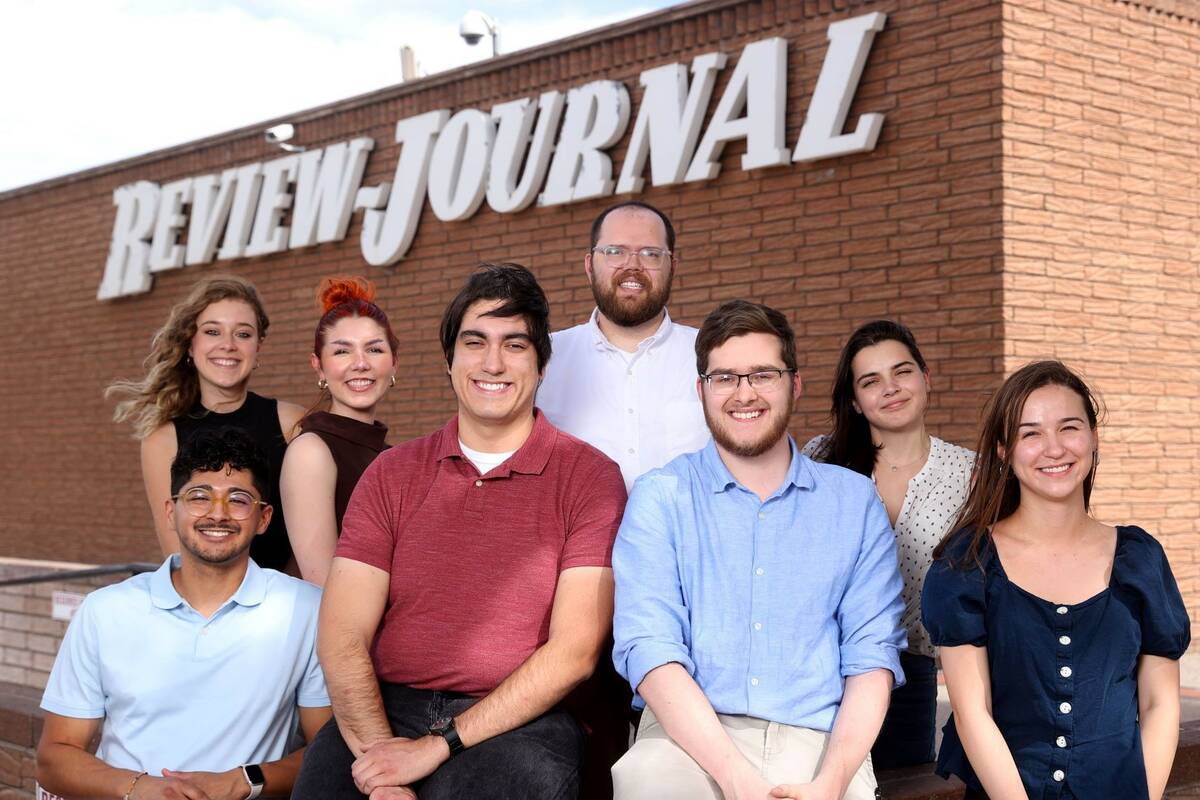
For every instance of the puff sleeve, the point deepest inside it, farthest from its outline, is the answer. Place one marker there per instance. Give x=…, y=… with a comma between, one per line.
x=953, y=602
x=1142, y=569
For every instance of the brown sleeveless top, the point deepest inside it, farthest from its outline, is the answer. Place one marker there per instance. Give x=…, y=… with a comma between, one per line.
x=352, y=444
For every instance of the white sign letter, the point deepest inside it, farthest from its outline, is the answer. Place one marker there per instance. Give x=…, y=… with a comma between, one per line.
x=274, y=198
x=758, y=86
x=245, y=195
x=597, y=115
x=821, y=137
x=668, y=122
x=458, y=168
x=515, y=119
x=210, y=212
x=127, y=269
x=165, y=250
x=386, y=235
x=325, y=191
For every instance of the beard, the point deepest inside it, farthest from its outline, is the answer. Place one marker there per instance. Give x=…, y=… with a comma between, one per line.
x=756, y=447
x=625, y=312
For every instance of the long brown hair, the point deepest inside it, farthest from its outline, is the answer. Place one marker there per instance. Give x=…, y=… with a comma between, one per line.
x=995, y=492
x=170, y=386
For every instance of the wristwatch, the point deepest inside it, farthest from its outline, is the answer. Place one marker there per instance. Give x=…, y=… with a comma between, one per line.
x=254, y=776
x=445, y=728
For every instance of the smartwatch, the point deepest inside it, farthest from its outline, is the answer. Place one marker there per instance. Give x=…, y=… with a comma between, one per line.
x=445, y=728
x=254, y=776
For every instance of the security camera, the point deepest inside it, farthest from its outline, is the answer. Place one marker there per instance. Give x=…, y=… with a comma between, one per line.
x=281, y=135
x=475, y=25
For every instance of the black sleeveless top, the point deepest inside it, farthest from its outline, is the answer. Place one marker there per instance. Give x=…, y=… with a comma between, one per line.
x=352, y=444
x=259, y=417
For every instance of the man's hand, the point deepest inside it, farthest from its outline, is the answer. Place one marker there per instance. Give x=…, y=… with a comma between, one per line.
x=393, y=793
x=228, y=785
x=398, y=762
x=746, y=784
x=817, y=790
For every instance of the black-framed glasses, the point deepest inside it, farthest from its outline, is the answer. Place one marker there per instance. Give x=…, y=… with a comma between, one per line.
x=200, y=502
x=617, y=255
x=763, y=380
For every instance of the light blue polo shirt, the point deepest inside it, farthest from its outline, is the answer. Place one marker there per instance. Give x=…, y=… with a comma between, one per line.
x=179, y=691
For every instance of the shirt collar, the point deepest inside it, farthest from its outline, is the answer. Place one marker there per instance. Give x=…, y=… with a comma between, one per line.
x=163, y=594
x=799, y=472
x=660, y=335
x=530, y=458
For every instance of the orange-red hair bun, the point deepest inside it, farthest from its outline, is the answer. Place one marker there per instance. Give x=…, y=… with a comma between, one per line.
x=334, y=291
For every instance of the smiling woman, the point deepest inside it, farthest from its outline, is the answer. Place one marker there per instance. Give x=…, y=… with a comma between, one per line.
x=197, y=378
x=354, y=357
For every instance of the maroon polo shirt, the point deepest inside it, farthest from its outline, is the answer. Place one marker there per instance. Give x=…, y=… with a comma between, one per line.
x=474, y=560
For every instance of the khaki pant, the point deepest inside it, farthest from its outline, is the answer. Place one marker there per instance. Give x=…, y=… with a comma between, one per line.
x=656, y=768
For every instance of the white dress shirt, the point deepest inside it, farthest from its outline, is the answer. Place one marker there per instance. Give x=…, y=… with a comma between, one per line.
x=640, y=409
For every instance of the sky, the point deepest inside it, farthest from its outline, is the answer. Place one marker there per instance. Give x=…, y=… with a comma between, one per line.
x=89, y=82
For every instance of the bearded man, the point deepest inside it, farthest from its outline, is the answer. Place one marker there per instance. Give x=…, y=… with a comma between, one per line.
x=758, y=597
x=623, y=381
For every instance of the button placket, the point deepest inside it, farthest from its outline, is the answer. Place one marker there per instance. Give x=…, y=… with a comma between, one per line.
x=1064, y=688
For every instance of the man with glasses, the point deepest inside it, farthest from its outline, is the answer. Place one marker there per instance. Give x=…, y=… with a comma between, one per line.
x=197, y=675
x=622, y=381
x=758, y=597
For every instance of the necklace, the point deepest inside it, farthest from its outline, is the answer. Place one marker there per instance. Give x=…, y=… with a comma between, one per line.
x=895, y=467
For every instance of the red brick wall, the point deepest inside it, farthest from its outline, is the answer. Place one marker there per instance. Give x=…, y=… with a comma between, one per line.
x=910, y=230
x=1102, y=255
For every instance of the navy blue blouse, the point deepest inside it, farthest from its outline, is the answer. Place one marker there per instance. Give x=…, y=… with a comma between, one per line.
x=1064, y=677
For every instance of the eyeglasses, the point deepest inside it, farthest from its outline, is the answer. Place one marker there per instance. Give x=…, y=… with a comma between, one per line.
x=764, y=380
x=650, y=258
x=200, y=503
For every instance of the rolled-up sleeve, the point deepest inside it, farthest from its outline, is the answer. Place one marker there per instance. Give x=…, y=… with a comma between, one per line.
x=869, y=614
x=650, y=625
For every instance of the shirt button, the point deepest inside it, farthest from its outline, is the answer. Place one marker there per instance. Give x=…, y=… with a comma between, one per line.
x=1065, y=672
x=1065, y=708
x=1059, y=775
x=479, y=483
x=1061, y=609
x=758, y=571
x=631, y=451
x=762, y=515
x=758, y=626
x=754, y=681
x=1064, y=640
x=630, y=410
x=1061, y=741
x=629, y=372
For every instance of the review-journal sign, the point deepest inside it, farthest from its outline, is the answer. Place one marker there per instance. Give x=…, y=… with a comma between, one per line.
x=551, y=149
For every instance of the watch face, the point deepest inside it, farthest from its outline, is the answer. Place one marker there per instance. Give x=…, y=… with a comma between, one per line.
x=255, y=774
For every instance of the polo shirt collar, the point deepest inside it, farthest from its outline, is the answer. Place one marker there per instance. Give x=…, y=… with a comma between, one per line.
x=252, y=591
x=660, y=335
x=530, y=458
x=799, y=472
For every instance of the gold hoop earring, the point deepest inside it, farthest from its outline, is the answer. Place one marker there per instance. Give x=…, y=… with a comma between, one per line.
x=393, y=382
x=322, y=384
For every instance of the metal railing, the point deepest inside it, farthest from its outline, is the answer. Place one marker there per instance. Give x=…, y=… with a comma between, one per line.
x=134, y=568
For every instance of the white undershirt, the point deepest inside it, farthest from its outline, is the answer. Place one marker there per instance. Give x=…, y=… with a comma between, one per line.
x=484, y=462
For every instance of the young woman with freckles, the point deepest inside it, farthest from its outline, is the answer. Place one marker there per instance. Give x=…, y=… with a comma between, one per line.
x=1060, y=635
x=880, y=395
x=354, y=356
x=197, y=378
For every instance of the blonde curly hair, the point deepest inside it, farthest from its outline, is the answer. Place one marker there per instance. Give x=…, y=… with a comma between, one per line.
x=170, y=387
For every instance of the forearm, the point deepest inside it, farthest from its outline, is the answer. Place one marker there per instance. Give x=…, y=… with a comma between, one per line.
x=989, y=755
x=859, y=718
x=532, y=689
x=687, y=716
x=281, y=775
x=72, y=772
x=1160, y=735
x=354, y=694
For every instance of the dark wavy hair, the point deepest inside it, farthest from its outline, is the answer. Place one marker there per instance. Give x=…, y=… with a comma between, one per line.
x=739, y=318
x=211, y=451
x=995, y=492
x=849, y=444
x=520, y=295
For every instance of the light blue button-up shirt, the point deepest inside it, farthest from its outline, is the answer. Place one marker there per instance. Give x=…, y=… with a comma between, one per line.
x=768, y=605
x=180, y=691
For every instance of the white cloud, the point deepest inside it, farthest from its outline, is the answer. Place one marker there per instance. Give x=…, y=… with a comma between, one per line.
x=93, y=82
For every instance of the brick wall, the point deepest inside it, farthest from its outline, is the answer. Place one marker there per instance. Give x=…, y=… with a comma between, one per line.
x=1101, y=253
x=910, y=230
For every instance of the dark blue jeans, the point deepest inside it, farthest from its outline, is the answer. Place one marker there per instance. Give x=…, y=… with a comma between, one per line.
x=538, y=761
x=906, y=737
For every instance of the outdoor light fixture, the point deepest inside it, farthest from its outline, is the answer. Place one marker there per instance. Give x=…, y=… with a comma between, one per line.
x=281, y=135
x=475, y=25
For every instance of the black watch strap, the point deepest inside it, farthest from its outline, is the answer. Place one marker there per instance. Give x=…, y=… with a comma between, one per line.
x=445, y=728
